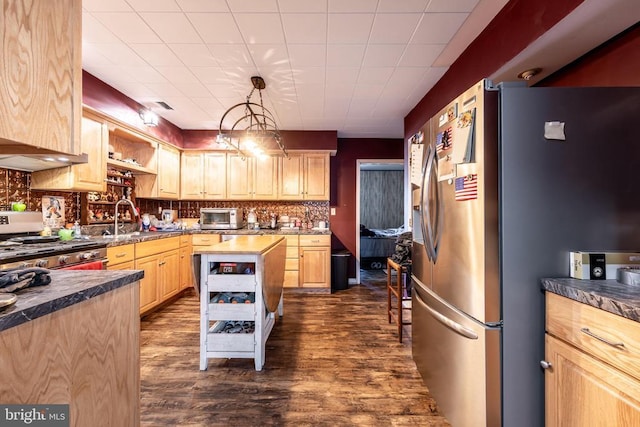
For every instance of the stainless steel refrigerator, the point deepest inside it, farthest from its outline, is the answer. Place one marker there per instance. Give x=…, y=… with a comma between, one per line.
x=514, y=178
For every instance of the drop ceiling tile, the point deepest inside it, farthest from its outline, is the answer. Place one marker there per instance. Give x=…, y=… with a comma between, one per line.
x=305, y=28
x=154, y=5
x=231, y=55
x=375, y=75
x=339, y=90
x=452, y=5
x=210, y=75
x=94, y=32
x=164, y=91
x=269, y=54
x=194, y=55
x=345, y=55
x=191, y=89
x=175, y=74
x=91, y=57
x=336, y=107
x=394, y=27
x=119, y=54
x=209, y=104
x=146, y=74
x=226, y=91
x=352, y=6
x=400, y=6
x=307, y=55
x=240, y=6
x=349, y=28
x=309, y=75
x=260, y=28
x=382, y=55
x=216, y=27
x=367, y=93
x=203, y=5
x=420, y=55
x=346, y=75
x=172, y=27
x=156, y=54
x=129, y=27
x=306, y=6
x=106, y=6
x=438, y=28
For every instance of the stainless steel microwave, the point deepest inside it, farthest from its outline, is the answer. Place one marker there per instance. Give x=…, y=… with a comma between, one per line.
x=220, y=218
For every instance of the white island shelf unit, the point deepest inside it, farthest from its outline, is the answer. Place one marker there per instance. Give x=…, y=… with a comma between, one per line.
x=251, y=265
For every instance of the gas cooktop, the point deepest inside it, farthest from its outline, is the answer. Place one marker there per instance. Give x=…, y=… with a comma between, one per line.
x=19, y=252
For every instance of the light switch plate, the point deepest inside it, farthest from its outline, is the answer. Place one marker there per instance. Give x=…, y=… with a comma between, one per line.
x=333, y=211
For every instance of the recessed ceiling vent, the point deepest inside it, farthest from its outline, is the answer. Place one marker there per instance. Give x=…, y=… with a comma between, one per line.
x=164, y=105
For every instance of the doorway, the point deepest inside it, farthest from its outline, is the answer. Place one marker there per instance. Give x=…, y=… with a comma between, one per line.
x=379, y=201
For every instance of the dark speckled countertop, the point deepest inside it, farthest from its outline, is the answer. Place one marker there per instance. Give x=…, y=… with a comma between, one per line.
x=67, y=288
x=608, y=295
x=152, y=235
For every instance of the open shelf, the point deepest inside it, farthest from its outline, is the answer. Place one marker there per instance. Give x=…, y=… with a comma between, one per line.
x=135, y=169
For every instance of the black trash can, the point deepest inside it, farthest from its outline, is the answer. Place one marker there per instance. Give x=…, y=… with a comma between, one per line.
x=340, y=270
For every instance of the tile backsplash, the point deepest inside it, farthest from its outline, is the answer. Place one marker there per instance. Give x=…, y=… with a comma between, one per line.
x=15, y=187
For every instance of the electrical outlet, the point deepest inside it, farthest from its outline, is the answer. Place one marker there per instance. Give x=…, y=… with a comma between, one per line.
x=333, y=211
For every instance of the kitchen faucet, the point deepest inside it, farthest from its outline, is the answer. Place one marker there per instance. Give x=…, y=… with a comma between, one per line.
x=115, y=225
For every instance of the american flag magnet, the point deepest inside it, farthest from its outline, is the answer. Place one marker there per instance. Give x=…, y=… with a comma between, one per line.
x=466, y=187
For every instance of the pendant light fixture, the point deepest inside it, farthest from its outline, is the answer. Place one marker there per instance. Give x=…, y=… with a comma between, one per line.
x=254, y=129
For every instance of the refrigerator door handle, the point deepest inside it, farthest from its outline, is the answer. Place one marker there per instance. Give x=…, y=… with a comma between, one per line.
x=425, y=209
x=454, y=326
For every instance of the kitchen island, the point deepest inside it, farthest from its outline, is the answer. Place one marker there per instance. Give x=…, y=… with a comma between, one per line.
x=240, y=291
x=75, y=341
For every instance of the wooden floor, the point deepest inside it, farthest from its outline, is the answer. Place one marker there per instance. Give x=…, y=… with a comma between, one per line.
x=332, y=360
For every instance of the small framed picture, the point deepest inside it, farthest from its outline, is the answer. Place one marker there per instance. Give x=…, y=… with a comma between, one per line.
x=53, y=211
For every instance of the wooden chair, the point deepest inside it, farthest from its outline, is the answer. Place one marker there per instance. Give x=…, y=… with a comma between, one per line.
x=397, y=288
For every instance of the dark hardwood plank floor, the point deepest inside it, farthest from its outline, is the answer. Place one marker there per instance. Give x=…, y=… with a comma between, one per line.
x=332, y=360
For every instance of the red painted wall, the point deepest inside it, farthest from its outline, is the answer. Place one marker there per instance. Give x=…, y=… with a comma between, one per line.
x=614, y=63
x=104, y=98
x=293, y=140
x=343, y=186
x=517, y=25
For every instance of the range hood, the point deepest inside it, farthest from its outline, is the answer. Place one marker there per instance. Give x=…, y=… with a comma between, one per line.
x=38, y=162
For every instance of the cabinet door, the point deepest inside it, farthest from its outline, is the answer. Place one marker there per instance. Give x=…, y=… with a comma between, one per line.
x=265, y=178
x=191, y=172
x=290, y=175
x=316, y=176
x=239, y=177
x=84, y=177
x=315, y=269
x=168, y=172
x=149, y=283
x=582, y=391
x=215, y=176
x=170, y=274
x=186, y=275
x=41, y=73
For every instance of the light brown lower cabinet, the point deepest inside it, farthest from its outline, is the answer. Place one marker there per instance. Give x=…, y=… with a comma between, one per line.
x=160, y=260
x=588, y=381
x=186, y=249
x=315, y=261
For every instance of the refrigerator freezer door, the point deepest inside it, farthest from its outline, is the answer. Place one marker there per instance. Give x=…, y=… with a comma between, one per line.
x=458, y=359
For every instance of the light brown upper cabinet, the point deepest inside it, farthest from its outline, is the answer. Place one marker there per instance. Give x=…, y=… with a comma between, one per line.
x=83, y=177
x=304, y=177
x=166, y=184
x=204, y=175
x=251, y=178
x=40, y=76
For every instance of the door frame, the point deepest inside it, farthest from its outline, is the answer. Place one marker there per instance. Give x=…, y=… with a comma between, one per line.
x=359, y=166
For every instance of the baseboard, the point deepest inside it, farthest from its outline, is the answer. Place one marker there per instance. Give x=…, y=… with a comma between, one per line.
x=353, y=281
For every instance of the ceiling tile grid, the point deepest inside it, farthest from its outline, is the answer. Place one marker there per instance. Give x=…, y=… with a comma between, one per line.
x=356, y=66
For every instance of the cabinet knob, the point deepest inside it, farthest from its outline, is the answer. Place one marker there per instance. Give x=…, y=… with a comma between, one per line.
x=545, y=364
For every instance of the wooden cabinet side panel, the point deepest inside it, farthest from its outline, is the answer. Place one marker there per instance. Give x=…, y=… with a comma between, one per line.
x=40, y=98
x=186, y=273
x=86, y=355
